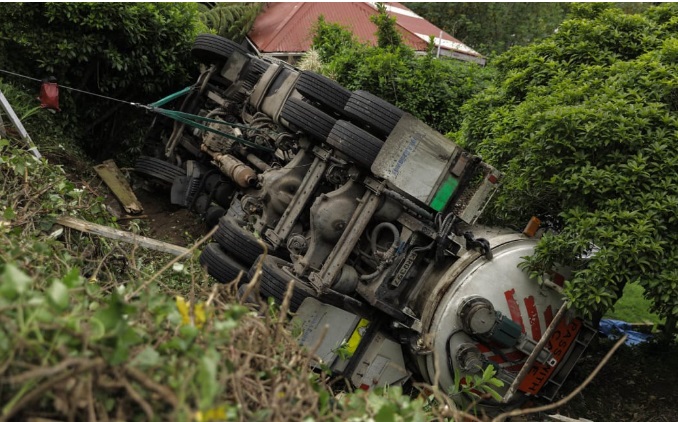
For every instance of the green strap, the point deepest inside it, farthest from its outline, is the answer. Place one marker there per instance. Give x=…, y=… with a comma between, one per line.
x=182, y=117
x=190, y=119
x=205, y=119
x=169, y=98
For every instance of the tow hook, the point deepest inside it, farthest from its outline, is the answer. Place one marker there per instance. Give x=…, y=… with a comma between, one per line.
x=480, y=244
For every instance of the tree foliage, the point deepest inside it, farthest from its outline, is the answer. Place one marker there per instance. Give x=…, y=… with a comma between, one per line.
x=387, y=32
x=331, y=39
x=130, y=51
x=584, y=124
x=494, y=27
x=230, y=20
x=429, y=88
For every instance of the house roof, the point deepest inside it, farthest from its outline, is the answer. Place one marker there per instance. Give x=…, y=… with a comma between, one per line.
x=286, y=28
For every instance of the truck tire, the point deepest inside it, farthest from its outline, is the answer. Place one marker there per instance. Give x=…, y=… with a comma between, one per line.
x=220, y=266
x=377, y=116
x=213, y=49
x=275, y=279
x=236, y=241
x=323, y=91
x=302, y=116
x=360, y=146
x=158, y=169
x=213, y=215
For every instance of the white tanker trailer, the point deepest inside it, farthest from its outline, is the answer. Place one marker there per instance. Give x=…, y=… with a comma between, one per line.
x=372, y=214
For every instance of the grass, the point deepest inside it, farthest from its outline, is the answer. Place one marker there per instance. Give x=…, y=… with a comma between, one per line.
x=633, y=307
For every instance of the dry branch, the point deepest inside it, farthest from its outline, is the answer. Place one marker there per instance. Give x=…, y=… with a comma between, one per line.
x=36, y=393
x=111, y=233
x=551, y=406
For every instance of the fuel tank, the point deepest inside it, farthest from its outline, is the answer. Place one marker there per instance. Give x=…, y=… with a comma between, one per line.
x=480, y=312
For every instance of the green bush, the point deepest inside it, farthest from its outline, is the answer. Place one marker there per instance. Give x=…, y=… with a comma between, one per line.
x=431, y=89
x=492, y=28
x=130, y=51
x=584, y=125
x=230, y=20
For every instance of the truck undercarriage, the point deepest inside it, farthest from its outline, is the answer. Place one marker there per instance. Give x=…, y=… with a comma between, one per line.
x=372, y=215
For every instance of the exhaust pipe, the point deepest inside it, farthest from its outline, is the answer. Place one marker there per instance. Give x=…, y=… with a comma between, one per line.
x=235, y=169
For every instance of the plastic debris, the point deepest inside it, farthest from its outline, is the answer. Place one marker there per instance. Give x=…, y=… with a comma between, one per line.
x=614, y=329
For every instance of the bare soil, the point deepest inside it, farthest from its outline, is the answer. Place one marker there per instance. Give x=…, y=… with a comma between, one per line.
x=167, y=222
x=639, y=383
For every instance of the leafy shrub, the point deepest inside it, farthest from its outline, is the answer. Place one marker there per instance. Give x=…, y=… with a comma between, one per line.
x=129, y=51
x=429, y=88
x=584, y=126
x=492, y=28
x=230, y=20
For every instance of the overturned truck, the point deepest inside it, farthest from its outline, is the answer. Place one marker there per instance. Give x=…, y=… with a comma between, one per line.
x=372, y=214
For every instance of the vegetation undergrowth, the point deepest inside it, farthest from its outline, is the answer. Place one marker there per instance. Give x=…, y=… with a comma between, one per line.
x=633, y=307
x=93, y=329
x=76, y=341
x=136, y=52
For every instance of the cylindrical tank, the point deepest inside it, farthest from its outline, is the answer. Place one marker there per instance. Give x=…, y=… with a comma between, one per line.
x=480, y=312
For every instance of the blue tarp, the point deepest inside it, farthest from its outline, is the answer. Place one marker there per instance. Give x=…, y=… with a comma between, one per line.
x=614, y=329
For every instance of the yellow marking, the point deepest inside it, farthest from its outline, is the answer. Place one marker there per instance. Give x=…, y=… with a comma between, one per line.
x=357, y=335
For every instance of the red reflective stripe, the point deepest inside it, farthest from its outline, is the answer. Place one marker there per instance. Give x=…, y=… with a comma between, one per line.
x=514, y=309
x=533, y=317
x=514, y=368
x=548, y=315
x=482, y=348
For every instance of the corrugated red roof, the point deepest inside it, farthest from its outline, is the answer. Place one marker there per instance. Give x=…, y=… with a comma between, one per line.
x=287, y=27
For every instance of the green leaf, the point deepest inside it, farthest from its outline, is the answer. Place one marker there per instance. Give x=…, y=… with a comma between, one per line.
x=58, y=295
x=496, y=382
x=9, y=214
x=148, y=357
x=207, y=378
x=72, y=278
x=188, y=332
x=96, y=329
x=488, y=373
x=14, y=282
x=108, y=317
x=386, y=413
x=127, y=338
x=492, y=392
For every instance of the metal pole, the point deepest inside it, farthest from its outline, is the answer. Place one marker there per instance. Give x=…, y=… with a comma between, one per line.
x=440, y=41
x=17, y=123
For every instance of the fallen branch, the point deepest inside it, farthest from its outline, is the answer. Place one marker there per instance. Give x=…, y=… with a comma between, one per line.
x=134, y=395
x=111, y=233
x=45, y=372
x=164, y=392
x=551, y=406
